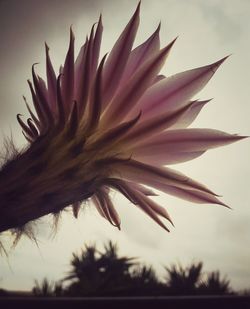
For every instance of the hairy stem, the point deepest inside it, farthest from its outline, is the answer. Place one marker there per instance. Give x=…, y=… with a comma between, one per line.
x=43, y=179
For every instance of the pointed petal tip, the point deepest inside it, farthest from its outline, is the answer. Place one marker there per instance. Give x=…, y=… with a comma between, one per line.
x=174, y=40
x=166, y=229
x=202, y=102
x=33, y=65
x=46, y=47
x=137, y=11
x=216, y=65
x=169, y=46
x=237, y=137
x=205, y=189
x=221, y=203
x=171, y=221
x=240, y=137
x=156, y=32
x=72, y=36
x=214, y=194
x=225, y=205
x=223, y=59
x=207, y=101
x=158, y=28
x=172, y=43
x=33, y=70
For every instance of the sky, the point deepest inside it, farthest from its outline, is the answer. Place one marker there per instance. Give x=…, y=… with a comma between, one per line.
x=207, y=31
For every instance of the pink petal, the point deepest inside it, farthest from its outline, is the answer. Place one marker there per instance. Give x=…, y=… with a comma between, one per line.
x=45, y=95
x=105, y=207
x=150, y=156
x=85, y=76
x=78, y=66
x=111, y=209
x=32, y=128
x=34, y=118
x=148, y=128
x=90, y=54
x=139, y=200
x=68, y=76
x=141, y=203
x=142, y=189
x=187, y=140
x=98, y=207
x=140, y=55
x=146, y=174
x=97, y=44
x=43, y=87
x=82, y=76
x=172, y=93
x=95, y=104
x=156, y=208
x=51, y=80
x=61, y=117
x=194, y=196
x=190, y=115
x=118, y=57
x=25, y=128
x=127, y=97
x=38, y=108
x=41, y=99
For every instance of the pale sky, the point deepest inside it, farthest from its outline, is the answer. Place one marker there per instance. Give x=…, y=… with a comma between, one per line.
x=208, y=31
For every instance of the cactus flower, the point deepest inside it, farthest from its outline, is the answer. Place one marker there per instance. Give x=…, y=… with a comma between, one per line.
x=109, y=124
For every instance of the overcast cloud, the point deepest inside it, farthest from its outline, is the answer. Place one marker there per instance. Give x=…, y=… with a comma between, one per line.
x=208, y=30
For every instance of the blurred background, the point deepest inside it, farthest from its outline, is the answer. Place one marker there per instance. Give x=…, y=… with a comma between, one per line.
x=208, y=31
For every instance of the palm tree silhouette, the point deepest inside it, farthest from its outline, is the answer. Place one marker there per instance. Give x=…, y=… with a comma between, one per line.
x=183, y=281
x=214, y=285
x=115, y=271
x=192, y=281
x=85, y=273
x=45, y=288
x=99, y=274
x=105, y=273
x=145, y=282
